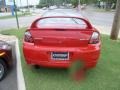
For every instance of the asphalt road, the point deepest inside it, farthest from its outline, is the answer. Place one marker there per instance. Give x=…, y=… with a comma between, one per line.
x=10, y=82
x=97, y=18
x=11, y=23
x=101, y=20
x=23, y=21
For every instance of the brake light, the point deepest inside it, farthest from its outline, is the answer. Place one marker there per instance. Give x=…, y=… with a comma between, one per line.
x=94, y=38
x=28, y=37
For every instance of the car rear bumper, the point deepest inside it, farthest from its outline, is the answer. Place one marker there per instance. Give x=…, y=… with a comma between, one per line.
x=41, y=55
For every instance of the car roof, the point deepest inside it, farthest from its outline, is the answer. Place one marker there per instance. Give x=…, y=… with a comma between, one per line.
x=60, y=13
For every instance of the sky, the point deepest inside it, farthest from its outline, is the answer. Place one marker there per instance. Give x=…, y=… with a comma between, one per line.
x=23, y=2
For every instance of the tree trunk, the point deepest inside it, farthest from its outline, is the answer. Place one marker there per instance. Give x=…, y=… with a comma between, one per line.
x=116, y=23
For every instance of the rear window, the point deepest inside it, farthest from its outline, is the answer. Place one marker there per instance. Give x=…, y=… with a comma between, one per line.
x=61, y=21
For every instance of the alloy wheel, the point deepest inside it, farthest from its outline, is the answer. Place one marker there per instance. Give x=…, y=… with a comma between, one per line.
x=1, y=70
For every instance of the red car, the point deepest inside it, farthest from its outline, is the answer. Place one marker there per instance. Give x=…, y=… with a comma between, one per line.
x=57, y=41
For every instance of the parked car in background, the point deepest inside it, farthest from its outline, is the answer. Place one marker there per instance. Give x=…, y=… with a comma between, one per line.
x=44, y=8
x=83, y=6
x=58, y=41
x=5, y=58
x=52, y=7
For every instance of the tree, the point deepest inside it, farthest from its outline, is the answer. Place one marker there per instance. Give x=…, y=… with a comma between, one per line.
x=74, y=3
x=47, y=3
x=116, y=23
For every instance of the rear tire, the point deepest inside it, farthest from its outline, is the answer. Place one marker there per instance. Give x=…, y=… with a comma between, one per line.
x=3, y=69
x=36, y=66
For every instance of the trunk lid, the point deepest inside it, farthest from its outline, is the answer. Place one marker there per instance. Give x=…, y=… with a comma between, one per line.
x=61, y=37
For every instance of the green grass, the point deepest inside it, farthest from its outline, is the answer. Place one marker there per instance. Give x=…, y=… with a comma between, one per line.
x=106, y=76
x=10, y=16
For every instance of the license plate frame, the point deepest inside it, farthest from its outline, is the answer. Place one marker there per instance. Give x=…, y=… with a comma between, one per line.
x=60, y=55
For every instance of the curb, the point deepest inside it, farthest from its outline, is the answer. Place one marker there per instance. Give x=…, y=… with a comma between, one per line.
x=20, y=77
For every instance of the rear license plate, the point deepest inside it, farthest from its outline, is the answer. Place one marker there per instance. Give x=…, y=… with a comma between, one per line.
x=60, y=56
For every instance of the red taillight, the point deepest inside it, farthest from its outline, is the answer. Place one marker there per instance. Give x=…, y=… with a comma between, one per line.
x=28, y=37
x=94, y=38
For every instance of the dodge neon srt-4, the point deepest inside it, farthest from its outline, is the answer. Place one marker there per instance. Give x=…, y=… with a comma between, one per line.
x=57, y=41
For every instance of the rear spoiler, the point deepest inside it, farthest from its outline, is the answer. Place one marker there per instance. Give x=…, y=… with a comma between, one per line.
x=89, y=26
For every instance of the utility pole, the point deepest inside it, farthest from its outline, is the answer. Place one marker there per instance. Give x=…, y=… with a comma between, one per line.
x=28, y=6
x=21, y=6
x=79, y=2
x=16, y=14
x=79, y=7
x=116, y=23
x=47, y=4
